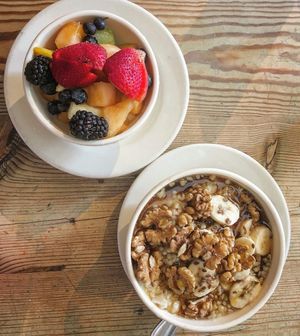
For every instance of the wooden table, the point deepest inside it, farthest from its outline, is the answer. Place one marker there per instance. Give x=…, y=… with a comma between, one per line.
x=59, y=264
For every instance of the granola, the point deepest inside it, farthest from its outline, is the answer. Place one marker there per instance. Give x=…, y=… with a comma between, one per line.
x=202, y=247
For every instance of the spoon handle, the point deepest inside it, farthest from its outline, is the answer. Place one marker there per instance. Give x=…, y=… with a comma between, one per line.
x=164, y=328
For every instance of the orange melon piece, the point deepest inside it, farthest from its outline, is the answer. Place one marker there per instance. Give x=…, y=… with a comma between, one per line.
x=101, y=94
x=71, y=33
x=137, y=107
x=116, y=116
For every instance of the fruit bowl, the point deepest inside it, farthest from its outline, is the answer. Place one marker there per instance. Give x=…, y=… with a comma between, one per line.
x=125, y=33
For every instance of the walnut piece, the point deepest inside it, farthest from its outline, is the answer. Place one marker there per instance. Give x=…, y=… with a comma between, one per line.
x=200, y=201
x=160, y=217
x=142, y=270
x=138, y=245
x=188, y=277
x=254, y=212
x=184, y=219
x=155, y=270
x=157, y=237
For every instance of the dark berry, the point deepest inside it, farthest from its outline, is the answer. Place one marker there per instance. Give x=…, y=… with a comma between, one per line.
x=63, y=107
x=149, y=81
x=37, y=71
x=53, y=107
x=49, y=88
x=88, y=126
x=89, y=28
x=56, y=107
x=79, y=96
x=65, y=96
x=90, y=39
x=100, y=23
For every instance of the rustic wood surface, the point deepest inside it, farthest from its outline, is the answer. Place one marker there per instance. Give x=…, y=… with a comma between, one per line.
x=60, y=272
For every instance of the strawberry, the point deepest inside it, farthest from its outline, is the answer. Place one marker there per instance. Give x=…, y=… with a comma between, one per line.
x=126, y=70
x=78, y=65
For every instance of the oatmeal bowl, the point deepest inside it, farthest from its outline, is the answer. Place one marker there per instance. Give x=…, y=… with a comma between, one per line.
x=91, y=78
x=205, y=250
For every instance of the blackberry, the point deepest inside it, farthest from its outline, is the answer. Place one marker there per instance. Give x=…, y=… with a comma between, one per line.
x=56, y=107
x=90, y=39
x=49, y=88
x=87, y=126
x=100, y=23
x=65, y=96
x=89, y=28
x=37, y=71
x=78, y=96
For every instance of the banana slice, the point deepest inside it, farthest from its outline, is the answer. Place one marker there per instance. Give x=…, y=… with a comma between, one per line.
x=244, y=227
x=223, y=210
x=237, y=276
x=206, y=286
x=206, y=280
x=243, y=292
x=245, y=245
x=199, y=270
x=262, y=237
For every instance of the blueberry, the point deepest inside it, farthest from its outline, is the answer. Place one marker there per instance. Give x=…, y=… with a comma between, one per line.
x=65, y=96
x=79, y=96
x=49, y=88
x=100, y=23
x=89, y=28
x=63, y=107
x=53, y=107
x=149, y=81
x=90, y=39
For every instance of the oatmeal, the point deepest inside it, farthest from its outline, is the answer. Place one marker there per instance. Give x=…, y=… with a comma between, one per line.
x=202, y=247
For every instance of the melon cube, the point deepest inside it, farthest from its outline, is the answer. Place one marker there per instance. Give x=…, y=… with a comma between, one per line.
x=71, y=33
x=101, y=94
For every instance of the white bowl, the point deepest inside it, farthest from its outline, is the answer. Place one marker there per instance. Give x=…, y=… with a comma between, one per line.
x=269, y=285
x=125, y=33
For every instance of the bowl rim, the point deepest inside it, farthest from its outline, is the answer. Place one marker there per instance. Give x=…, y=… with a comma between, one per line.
x=184, y=322
x=48, y=123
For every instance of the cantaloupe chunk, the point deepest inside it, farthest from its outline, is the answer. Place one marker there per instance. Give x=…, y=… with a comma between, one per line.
x=116, y=116
x=71, y=33
x=101, y=94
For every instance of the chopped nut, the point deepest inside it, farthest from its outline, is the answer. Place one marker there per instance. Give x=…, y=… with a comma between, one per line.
x=156, y=237
x=253, y=212
x=155, y=215
x=182, y=249
x=142, y=271
x=184, y=219
x=188, y=277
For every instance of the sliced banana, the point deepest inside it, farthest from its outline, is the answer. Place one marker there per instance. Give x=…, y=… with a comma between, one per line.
x=245, y=226
x=245, y=245
x=199, y=270
x=223, y=210
x=237, y=276
x=243, y=292
x=206, y=286
x=205, y=278
x=262, y=237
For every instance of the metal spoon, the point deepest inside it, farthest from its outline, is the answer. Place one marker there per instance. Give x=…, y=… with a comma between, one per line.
x=164, y=328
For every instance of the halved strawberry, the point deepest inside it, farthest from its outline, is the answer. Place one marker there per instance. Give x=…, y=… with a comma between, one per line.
x=78, y=65
x=126, y=70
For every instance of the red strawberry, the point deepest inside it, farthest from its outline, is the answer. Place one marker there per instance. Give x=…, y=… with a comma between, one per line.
x=126, y=70
x=78, y=65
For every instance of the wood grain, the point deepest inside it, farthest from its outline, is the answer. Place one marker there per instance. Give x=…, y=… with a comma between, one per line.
x=59, y=267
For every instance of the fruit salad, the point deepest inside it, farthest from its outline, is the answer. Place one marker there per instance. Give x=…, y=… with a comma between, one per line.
x=90, y=82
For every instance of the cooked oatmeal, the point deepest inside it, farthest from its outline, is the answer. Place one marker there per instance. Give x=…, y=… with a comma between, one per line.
x=202, y=247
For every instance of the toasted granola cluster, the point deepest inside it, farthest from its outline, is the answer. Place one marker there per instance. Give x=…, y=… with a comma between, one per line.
x=189, y=257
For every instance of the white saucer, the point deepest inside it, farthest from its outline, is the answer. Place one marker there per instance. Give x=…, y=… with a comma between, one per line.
x=143, y=146
x=200, y=156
